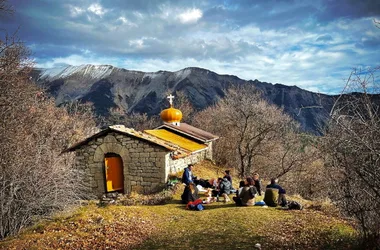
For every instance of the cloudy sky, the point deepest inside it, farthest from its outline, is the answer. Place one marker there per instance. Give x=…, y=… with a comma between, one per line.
x=312, y=44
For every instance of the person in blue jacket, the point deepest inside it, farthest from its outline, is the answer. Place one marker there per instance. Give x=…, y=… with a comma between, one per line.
x=187, y=176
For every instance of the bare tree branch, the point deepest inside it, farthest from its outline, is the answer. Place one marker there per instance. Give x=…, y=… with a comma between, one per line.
x=353, y=151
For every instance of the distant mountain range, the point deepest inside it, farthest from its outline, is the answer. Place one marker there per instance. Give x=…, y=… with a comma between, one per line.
x=135, y=91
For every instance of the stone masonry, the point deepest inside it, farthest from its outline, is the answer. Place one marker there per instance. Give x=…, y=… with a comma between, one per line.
x=146, y=166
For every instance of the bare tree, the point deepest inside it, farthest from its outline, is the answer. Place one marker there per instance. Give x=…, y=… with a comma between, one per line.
x=34, y=179
x=291, y=151
x=353, y=152
x=248, y=127
x=296, y=160
x=136, y=121
x=5, y=7
x=182, y=103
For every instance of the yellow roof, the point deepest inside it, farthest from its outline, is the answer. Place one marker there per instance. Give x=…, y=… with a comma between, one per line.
x=176, y=139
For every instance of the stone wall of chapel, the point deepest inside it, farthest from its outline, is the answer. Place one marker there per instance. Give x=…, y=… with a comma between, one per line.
x=177, y=165
x=144, y=165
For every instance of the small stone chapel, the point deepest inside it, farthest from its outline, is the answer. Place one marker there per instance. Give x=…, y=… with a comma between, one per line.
x=120, y=159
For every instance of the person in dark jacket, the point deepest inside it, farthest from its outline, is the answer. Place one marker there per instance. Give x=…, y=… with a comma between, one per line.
x=223, y=189
x=256, y=179
x=190, y=194
x=246, y=194
x=241, y=186
x=187, y=176
x=274, y=184
x=225, y=186
x=227, y=175
x=237, y=198
x=281, y=192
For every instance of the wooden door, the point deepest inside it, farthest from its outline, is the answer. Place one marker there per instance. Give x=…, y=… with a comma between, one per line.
x=114, y=173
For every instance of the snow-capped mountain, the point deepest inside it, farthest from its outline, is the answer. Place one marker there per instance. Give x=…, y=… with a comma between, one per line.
x=135, y=91
x=93, y=71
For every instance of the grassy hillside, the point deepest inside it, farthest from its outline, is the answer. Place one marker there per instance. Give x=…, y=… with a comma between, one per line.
x=170, y=226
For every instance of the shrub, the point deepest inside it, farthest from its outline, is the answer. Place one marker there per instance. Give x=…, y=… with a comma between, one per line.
x=134, y=198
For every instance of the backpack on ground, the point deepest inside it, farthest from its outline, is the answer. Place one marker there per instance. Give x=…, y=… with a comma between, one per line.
x=294, y=205
x=195, y=205
x=260, y=203
x=199, y=207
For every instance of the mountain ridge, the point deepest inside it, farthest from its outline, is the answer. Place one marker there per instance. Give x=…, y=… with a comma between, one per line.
x=145, y=92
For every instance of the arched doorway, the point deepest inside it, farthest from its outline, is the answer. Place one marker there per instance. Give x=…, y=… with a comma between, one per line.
x=114, y=176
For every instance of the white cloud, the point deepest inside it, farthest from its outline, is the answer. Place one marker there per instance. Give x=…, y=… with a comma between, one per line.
x=86, y=51
x=138, y=43
x=125, y=21
x=138, y=14
x=288, y=54
x=97, y=9
x=165, y=11
x=75, y=11
x=190, y=16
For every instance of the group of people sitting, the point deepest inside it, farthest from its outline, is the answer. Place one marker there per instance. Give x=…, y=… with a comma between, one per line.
x=222, y=187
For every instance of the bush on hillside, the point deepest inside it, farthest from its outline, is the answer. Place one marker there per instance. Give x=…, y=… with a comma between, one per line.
x=134, y=198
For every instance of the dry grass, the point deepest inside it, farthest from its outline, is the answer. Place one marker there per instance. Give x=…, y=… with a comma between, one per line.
x=170, y=226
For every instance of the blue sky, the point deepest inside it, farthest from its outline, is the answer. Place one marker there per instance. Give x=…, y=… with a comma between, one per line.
x=311, y=44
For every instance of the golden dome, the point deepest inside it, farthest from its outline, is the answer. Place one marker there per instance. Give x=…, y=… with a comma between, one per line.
x=171, y=115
